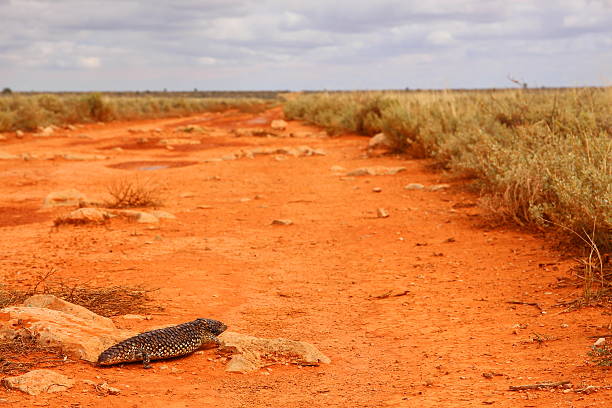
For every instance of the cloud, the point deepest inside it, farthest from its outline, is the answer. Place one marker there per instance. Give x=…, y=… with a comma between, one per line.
x=299, y=43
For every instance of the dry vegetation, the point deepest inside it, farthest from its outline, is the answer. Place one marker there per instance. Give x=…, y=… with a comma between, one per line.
x=541, y=158
x=28, y=112
x=134, y=193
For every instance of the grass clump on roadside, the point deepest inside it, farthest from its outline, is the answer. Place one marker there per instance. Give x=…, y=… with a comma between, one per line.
x=541, y=158
x=29, y=112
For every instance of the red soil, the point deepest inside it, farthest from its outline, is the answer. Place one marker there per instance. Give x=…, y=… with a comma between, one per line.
x=322, y=279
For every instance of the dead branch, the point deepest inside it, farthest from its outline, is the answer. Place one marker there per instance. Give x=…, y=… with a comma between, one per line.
x=518, y=302
x=539, y=386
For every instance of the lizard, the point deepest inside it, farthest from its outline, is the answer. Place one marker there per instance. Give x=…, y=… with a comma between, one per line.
x=164, y=343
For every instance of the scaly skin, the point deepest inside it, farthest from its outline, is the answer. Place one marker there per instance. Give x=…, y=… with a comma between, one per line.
x=164, y=343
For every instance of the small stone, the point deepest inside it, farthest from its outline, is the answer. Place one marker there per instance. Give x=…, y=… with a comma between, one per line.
x=162, y=214
x=2, y=137
x=379, y=140
x=19, y=134
x=564, y=325
x=204, y=207
x=64, y=198
x=438, y=187
x=376, y=171
x=337, y=169
x=377, y=189
x=600, y=342
x=282, y=222
x=382, y=213
x=229, y=157
x=187, y=195
x=278, y=124
x=414, y=186
x=111, y=390
x=244, y=200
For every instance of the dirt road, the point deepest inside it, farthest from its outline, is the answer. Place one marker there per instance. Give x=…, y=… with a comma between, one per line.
x=412, y=309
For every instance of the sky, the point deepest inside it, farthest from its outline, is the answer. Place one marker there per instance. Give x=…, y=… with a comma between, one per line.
x=92, y=45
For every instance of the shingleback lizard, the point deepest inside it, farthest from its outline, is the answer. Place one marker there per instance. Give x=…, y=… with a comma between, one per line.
x=164, y=343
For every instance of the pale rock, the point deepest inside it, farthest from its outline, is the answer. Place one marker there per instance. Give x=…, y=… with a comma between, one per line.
x=250, y=353
x=337, y=169
x=39, y=381
x=46, y=131
x=414, y=186
x=379, y=140
x=187, y=195
x=64, y=198
x=229, y=157
x=2, y=137
x=600, y=342
x=19, y=134
x=85, y=215
x=138, y=216
x=382, y=213
x=175, y=142
x=438, y=187
x=163, y=214
x=278, y=124
x=376, y=189
x=282, y=222
x=75, y=336
x=376, y=171
x=54, y=303
x=8, y=156
x=83, y=157
x=110, y=390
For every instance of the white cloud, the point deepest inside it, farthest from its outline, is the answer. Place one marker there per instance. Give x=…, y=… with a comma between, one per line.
x=89, y=62
x=308, y=43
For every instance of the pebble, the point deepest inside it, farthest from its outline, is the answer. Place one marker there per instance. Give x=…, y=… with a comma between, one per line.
x=282, y=222
x=382, y=213
x=600, y=342
x=414, y=186
x=377, y=189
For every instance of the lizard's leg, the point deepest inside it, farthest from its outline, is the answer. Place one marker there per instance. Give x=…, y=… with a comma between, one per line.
x=210, y=338
x=146, y=359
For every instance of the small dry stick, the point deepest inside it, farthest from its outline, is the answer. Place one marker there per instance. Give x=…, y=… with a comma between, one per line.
x=539, y=386
x=518, y=302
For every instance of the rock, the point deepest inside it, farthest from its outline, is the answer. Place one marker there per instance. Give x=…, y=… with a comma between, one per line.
x=46, y=131
x=204, y=207
x=71, y=127
x=377, y=189
x=83, y=157
x=8, y=156
x=187, y=195
x=375, y=171
x=84, y=216
x=138, y=216
x=55, y=303
x=19, y=134
x=252, y=353
x=414, y=186
x=282, y=222
x=64, y=198
x=76, y=336
x=163, y=214
x=337, y=169
x=2, y=138
x=38, y=381
x=179, y=142
x=278, y=124
x=382, y=213
x=600, y=342
x=379, y=140
x=229, y=157
x=135, y=317
x=108, y=389
x=438, y=187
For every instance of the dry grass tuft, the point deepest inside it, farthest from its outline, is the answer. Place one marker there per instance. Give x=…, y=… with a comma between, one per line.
x=13, y=354
x=134, y=193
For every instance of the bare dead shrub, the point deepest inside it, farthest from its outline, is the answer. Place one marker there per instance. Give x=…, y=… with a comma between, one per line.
x=134, y=192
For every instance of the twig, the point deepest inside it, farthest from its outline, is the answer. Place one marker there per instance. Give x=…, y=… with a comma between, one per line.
x=391, y=294
x=539, y=386
x=592, y=388
x=517, y=302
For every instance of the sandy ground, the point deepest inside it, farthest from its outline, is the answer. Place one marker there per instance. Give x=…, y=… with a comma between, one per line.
x=323, y=279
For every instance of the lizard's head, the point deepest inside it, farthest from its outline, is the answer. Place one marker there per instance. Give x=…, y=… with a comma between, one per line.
x=214, y=326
